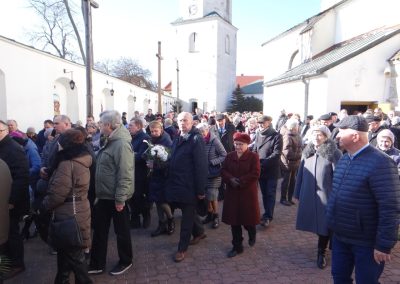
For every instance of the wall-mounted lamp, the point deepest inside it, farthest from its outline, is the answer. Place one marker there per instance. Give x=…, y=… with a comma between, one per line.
x=134, y=98
x=72, y=82
x=387, y=71
x=112, y=88
x=148, y=100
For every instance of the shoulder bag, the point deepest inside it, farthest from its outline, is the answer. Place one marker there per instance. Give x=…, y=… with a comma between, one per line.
x=66, y=234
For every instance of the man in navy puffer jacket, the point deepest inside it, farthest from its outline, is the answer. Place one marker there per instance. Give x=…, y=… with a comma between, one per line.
x=363, y=209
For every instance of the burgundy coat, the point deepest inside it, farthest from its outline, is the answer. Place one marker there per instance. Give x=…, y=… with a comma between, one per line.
x=241, y=203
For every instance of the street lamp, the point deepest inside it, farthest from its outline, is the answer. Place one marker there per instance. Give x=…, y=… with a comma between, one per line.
x=87, y=14
x=72, y=82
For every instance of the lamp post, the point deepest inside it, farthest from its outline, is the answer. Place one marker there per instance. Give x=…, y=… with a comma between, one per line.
x=159, y=77
x=87, y=13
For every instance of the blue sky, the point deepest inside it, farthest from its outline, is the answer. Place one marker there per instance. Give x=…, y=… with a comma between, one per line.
x=132, y=28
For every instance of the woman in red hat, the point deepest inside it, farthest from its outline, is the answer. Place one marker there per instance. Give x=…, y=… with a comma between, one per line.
x=240, y=172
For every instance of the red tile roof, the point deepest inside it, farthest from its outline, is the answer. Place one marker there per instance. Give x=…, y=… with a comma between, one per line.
x=247, y=80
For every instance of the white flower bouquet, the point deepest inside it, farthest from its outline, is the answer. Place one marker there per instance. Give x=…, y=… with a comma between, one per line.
x=156, y=156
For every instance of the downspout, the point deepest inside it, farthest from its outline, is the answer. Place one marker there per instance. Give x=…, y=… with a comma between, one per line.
x=306, y=89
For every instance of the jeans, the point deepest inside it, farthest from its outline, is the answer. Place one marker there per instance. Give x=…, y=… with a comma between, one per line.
x=104, y=211
x=268, y=190
x=346, y=257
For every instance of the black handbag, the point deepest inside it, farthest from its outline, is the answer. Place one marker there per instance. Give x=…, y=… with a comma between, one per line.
x=202, y=207
x=65, y=234
x=213, y=170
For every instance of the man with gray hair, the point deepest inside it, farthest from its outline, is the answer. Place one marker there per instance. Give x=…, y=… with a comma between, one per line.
x=363, y=207
x=114, y=187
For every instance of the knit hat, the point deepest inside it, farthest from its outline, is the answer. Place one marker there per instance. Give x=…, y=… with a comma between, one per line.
x=241, y=137
x=386, y=133
x=322, y=128
x=71, y=138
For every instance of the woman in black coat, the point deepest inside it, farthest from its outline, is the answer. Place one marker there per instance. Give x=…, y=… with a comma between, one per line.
x=314, y=184
x=166, y=223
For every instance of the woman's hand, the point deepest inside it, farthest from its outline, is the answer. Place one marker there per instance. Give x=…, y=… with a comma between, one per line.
x=235, y=182
x=150, y=164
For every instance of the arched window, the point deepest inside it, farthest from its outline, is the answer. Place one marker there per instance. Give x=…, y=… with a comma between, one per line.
x=227, y=45
x=292, y=59
x=193, y=39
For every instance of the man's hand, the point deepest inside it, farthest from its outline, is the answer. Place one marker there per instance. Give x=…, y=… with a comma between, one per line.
x=119, y=207
x=201, y=196
x=381, y=257
x=43, y=173
x=235, y=182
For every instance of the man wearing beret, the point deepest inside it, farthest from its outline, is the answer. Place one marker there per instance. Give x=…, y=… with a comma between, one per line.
x=374, y=127
x=268, y=144
x=363, y=207
x=224, y=131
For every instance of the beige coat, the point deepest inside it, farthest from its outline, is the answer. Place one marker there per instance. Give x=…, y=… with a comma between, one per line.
x=5, y=182
x=60, y=189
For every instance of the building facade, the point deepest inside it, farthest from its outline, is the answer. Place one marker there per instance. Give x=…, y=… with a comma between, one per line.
x=205, y=48
x=343, y=57
x=35, y=85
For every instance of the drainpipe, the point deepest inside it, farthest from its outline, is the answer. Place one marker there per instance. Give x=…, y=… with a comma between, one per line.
x=306, y=88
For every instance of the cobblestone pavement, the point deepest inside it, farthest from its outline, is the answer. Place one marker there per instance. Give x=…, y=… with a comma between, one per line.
x=281, y=255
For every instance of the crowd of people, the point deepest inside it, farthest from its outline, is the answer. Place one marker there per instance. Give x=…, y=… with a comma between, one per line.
x=341, y=170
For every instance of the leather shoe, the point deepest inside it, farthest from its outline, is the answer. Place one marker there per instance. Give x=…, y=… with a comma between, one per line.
x=234, y=252
x=179, y=256
x=286, y=203
x=197, y=239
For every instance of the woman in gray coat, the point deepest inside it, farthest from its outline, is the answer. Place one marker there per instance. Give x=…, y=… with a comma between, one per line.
x=216, y=154
x=314, y=184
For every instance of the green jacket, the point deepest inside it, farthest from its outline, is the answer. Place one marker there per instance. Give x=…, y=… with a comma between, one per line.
x=115, y=168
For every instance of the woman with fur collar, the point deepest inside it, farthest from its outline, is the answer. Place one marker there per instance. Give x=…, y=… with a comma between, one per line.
x=313, y=186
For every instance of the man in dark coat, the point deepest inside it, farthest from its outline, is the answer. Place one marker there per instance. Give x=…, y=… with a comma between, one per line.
x=14, y=156
x=139, y=203
x=224, y=131
x=41, y=140
x=268, y=144
x=187, y=180
x=363, y=208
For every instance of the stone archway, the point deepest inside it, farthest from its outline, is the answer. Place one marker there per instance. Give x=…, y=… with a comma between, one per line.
x=131, y=106
x=67, y=99
x=108, y=100
x=3, y=96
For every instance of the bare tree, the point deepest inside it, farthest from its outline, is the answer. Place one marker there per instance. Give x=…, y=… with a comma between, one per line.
x=58, y=29
x=129, y=70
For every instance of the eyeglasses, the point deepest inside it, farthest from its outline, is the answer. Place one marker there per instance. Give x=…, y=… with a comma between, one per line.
x=1, y=130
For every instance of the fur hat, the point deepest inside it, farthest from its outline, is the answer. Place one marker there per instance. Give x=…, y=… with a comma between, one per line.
x=241, y=137
x=322, y=128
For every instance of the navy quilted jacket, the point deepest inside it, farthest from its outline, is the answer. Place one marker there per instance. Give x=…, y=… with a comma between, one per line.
x=364, y=206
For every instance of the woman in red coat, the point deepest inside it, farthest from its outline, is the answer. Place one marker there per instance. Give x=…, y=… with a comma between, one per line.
x=240, y=172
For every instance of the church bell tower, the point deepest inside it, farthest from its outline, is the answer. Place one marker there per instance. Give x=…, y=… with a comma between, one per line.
x=205, y=50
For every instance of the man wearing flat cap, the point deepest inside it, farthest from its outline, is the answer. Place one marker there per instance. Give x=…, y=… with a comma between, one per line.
x=224, y=131
x=363, y=207
x=268, y=144
x=374, y=127
x=326, y=119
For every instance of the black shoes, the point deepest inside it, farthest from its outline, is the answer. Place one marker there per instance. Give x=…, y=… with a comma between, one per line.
x=235, y=251
x=252, y=240
x=208, y=219
x=286, y=203
x=321, y=259
x=215, y=221
x=120, y=269
x=161, y=229
x=170, y=226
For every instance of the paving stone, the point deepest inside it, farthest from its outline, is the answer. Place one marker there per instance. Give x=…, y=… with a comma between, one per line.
x=281, y=255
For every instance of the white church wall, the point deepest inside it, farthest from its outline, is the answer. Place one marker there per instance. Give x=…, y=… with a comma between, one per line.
x=323, y=33
x=30, y=79
x=362, y=78
x=360, y=16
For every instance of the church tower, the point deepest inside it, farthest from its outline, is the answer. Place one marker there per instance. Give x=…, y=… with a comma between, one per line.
x=205, y=50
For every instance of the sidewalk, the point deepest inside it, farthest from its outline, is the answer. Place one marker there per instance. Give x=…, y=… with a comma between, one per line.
x=281, y=255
